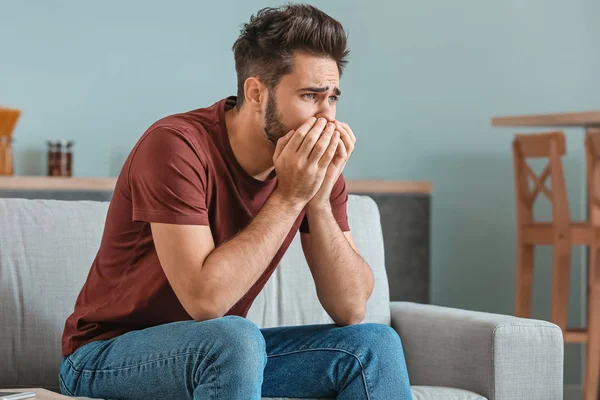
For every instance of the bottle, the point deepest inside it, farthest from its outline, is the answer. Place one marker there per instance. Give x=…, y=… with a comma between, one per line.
x=60, y=158
x=67, y=158
x=53, y=158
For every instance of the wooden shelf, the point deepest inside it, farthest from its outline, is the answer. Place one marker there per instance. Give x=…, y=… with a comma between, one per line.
x=365, y=186
x=108, y=184
x=56, y=183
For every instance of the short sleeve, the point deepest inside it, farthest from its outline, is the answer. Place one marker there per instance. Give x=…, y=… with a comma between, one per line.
x=167, y=178
x=339, y=201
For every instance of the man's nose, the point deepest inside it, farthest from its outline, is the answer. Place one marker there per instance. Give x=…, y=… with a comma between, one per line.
x=327, y=112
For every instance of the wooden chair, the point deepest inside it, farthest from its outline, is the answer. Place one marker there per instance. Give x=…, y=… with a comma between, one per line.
x=591, y=335
x=561, y=233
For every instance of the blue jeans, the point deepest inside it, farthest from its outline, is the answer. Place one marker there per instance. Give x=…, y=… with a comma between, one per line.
x=230, y=358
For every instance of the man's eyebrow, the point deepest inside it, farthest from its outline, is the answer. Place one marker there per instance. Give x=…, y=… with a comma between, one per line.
x=323, y=89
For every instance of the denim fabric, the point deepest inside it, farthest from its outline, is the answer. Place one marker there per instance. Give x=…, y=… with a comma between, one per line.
x=231, y=358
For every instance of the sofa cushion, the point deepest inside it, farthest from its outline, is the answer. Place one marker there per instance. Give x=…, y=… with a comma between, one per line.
x=443, y=393
x=46, y=249
x=290, y=298
x=418, y=393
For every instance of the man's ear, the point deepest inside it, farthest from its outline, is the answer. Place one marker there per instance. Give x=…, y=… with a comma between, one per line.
x=255, y=93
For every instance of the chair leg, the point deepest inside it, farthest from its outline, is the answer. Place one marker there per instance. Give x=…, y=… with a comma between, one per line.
x=561, y=255
x=524, y=280
x=592, y=364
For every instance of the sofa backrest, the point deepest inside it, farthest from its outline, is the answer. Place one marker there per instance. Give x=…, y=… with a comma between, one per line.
x=290, y=297
x=47, y=247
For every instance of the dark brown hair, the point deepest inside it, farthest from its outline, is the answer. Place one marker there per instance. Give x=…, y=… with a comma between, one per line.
x=266, y=45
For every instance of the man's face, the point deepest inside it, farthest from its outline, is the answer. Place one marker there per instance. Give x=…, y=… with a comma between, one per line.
x=311, y=90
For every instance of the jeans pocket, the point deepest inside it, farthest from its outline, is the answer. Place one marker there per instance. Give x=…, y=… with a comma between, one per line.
x=63, y=387
x=78, y=359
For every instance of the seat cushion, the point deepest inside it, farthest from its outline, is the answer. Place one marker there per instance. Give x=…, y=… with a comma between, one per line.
x=418, y=393
x=425, y=393
x=443, y=393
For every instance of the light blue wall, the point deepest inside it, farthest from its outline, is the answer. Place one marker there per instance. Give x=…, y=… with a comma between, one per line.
x=423, y=81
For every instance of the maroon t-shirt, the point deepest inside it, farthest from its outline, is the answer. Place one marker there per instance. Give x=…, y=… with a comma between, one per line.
x=181, y=171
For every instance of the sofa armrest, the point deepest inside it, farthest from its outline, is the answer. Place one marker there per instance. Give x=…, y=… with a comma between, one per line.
x=497, y=356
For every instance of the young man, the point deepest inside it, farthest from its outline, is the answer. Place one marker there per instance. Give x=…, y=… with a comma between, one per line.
x=206, y=205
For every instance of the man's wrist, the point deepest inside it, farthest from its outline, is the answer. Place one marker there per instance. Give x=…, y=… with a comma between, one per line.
x=319, y=208
x=284, y=203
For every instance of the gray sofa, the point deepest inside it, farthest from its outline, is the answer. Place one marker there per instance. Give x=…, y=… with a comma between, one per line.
x=47, y=246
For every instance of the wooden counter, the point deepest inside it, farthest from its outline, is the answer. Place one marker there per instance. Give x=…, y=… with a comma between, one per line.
x=108, y=184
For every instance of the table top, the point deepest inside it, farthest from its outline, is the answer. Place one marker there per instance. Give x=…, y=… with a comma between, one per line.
x=40, y=394
x=583, y=119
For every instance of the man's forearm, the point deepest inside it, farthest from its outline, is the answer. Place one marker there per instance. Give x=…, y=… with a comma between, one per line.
x=232, y=268
x=344, y=281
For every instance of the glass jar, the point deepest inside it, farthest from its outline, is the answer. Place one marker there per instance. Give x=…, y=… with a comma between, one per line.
x=52, y=158
x=6, y=155
x=67, y=158
x=60, y=158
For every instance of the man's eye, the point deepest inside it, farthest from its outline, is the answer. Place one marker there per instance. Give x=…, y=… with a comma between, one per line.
x=333, y=99
x=309, y=96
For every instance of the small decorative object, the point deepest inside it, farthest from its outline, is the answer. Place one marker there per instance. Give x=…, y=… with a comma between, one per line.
x=8, y=121
x=6, y=155
x=60, y=158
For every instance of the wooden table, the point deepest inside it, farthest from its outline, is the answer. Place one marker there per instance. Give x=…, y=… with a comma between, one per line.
x=40, y=394
x=589, y=121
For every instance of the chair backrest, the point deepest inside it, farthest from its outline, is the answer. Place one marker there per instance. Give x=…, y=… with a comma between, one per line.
x=592, y=168
x=549, y=145
x=47, y=248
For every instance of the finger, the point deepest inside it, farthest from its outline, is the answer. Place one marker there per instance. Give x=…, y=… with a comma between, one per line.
x=346, y=127
x=313, y=136
x=330, y=152
x=341, y=150
x=281, y=144
x=341, y=155
x=346, y=139
x=321, y=146
x=298, y=136
x=312, y=141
